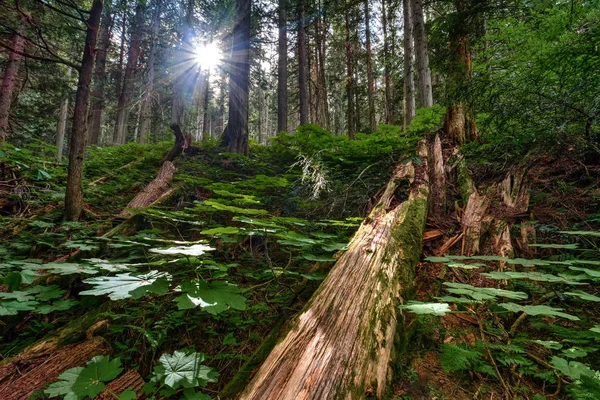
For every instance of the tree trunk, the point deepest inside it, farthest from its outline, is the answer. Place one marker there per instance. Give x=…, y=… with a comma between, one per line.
x=370, y=79
x=74, y=192
x=235, y=137
x=282, y=70
x=146, y=110
x=349, y=74
x=61, y=126
x=409, y=79
x=97, y=100
x=342, y=344
x=322, y=101
x=205, y=101
x=9, y=80
x=119, y=71
x=124, y=104
x=302, y=64
x=425, y=98
x=387, y=91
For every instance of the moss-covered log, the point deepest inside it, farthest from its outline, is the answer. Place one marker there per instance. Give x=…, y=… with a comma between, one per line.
x=342, y=344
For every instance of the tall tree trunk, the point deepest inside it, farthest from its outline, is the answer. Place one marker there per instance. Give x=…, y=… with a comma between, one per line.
x=205, y=101
x=370, y=79
x=459, y=124
x=323, y=102
x=97, y=99
x=235, y=137
x=61, y=126
x=422, y=56
x=119, y=72
x=387, y=91
x=302, y=64
x=74, y=192
x=184, y=79
x=124, y=104
x=9, y=80
x=409, y=79
x=146, y=110
x=349, y=72
x=282, y=69
x=341, y=346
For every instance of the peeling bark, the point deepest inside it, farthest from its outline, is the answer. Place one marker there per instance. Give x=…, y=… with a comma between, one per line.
x=129, y=380
x=342, y=344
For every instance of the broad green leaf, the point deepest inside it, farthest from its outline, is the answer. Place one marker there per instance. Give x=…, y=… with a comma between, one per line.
x=590, y=272
x=570, y=246
x=66, y=268
x=182, y=369
x=335, y=247
x=45, y=293
x=582, y=233
x=236, y=210
x=538, y=310
x=479, y=293
x=128, y=394
x=121, y=286
x=191, y=394
x=574, y=352
x=13, y=307
x=225, y=230
x=90, y=380
x=60, y=305
x=439, y=309
x=465, y=266
x=534, y=276
x=583, y=295
x=64, y=387
x=321, y=258
x=572, y=369
x=194, y=250
x=20, y=295
x=549, y=344
x=214, y=298
x=595, y=329
x=437, y=259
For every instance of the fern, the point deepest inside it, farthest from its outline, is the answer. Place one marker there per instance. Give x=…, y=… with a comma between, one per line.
x=459, y=358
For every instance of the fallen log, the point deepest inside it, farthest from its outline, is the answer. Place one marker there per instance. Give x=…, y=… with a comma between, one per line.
x=343, y=343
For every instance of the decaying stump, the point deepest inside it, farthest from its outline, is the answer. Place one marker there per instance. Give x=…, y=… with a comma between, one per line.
x=342, y=344
x=129, y=380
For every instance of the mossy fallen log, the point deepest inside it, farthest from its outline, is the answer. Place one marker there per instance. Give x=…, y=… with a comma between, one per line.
x=344, y=342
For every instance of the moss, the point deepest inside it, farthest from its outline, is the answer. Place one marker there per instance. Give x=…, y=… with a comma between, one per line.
x=465, y=182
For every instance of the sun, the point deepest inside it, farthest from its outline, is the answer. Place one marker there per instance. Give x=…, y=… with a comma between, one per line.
x=208, y=56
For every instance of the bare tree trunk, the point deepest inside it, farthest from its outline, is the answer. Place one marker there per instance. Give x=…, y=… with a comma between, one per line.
x=370, y=79
x=323, y=102
x=74, y=192
x=9, y=80
x=235, y=137
x=146, y=111
x=282, y=70
x=119, y=71
x=342, y=344
x=349, y=74
x=97, y=98
x=205, y=101
x=409, y=79
x=421, y=54
x=302, y=64
x=63, y=113
x=387, y=93
x=123, y=107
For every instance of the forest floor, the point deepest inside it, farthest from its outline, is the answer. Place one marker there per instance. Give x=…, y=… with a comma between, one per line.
x=213, y=271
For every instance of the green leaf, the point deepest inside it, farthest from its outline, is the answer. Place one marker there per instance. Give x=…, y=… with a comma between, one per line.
x=439, y=309
x=574, y=352
x=534, y=276
x=182, y=369
x=194, y=250
x=571, y=246
x=595, y=329
x=581, y=233
x=64, y=387
x=90, y=380
x=538, y=310
x=225, y=230
x=236, y=210
x=549, y=344
x=128, y=394
x=191, y=394
x=214, y=298
x=13, y=307
x=583, y=295
x=121, y=286
x=321, y=258
x=479, y=293
x=572, y=369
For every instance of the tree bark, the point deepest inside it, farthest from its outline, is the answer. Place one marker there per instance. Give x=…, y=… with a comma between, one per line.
x=74, y=192
x=387, y=91
x=9, y=80
x=62, y=124
x=124, y=104
x=235, y=137
x=282, y=69
x=370, y=79
x=97, y=99
x=146, y=110
x=409, y=79
x=349, y=74
x=425, y=91
x=302, y=64
x=342, y=344
x=205, y=101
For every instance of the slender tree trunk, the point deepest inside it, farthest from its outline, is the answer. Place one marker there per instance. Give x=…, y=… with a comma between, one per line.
x=61, y=126
x=342, y=345
x=119, y=72
x=9, y=80
x=387, y=91
x=184, y=79
x=74, y=192
x=302, y=64
x=146, y=111
x=370, y=79
x=323, y=102
x=97, y=99
x=421, y=54
x=235, y=137
x=205, y=101
x=124, y=104
x=459, y=124
x=409, y=79
x=282, y=70
x=349, y=74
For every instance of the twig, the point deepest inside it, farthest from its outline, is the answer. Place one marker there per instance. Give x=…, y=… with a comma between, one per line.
x=513, y=329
